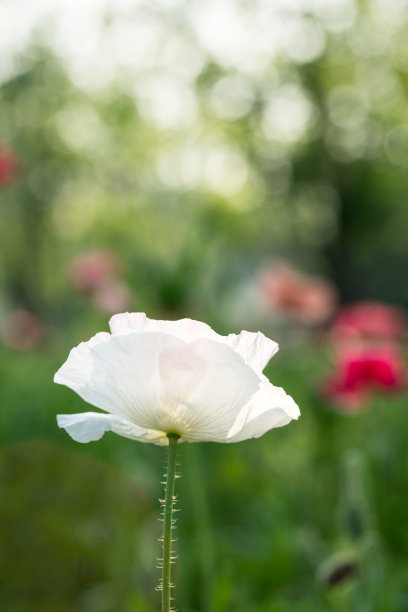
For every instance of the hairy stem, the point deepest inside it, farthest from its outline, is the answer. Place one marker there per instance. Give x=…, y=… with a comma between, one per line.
x=168, y=522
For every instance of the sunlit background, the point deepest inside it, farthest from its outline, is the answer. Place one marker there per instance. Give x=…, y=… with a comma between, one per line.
x=244, y=164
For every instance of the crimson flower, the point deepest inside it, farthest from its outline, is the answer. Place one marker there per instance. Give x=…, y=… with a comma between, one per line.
x=368, y=320
x=364, y=369
x=8, y=167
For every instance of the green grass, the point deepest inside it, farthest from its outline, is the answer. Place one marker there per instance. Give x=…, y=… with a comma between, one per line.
x=258, y=519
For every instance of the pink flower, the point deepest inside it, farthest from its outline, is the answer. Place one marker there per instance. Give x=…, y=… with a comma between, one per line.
x=368, y=320
x=9, y=167
x=93, y=269
x=112, y=298
x=364, y=369
x=95, y=274
x=21, y=330
x=309, y=299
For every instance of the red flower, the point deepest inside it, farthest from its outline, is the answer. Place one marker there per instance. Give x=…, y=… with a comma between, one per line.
x=369, y=320
x=9, y=167
x=363, y=370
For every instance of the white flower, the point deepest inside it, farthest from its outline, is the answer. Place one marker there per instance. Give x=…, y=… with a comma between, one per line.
x=157, y=377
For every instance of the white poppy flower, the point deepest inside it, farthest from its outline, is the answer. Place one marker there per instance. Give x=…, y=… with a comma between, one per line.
x=158, y=377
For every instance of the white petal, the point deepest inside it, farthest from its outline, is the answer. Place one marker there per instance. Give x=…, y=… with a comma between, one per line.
x=158, y=382
x=77, y=369
x=206, y=383
x=255, y=348
x=90, y=426
x=186, y=329
x=174, y=376
x=270, y=407
x=123, y=374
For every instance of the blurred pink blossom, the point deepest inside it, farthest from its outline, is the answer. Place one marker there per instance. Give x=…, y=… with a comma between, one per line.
x=95, y=274
x=21, y=330
x=368, y=320
x=9, y=167
x=92, y=269
x=309, y=299
x=364, y=369
x=112, y=298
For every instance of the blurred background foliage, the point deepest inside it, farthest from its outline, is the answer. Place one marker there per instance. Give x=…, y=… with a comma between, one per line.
x=173, y=158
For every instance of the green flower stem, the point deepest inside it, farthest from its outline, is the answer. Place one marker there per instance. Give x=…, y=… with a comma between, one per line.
x=168, y=523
